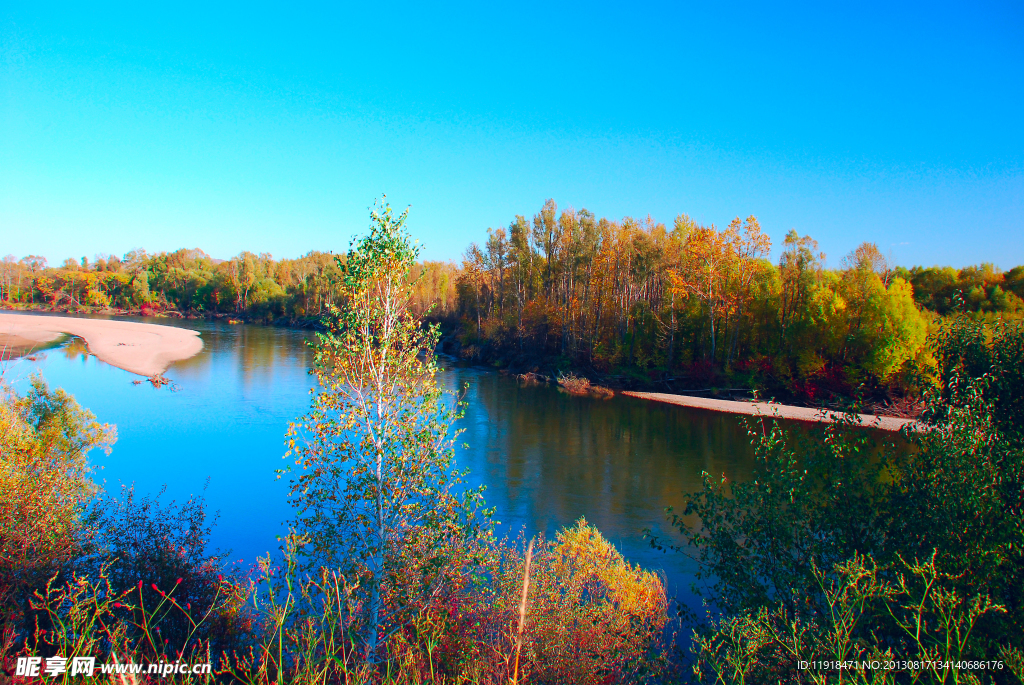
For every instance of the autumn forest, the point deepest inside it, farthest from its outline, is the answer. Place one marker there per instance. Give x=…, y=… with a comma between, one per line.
x=633, y=302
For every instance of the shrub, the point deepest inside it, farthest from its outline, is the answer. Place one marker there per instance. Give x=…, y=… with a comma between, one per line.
x=45, y=489
x=968, y=349
x=591, y=617
x=146, y=549
x=90, y=617
x=953, y=492
x=574, y=385
x=934, y=622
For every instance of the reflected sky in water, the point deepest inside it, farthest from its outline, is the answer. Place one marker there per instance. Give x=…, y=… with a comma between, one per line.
x=547, y=458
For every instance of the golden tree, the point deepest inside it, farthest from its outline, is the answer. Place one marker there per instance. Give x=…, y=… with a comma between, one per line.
x=707, y=257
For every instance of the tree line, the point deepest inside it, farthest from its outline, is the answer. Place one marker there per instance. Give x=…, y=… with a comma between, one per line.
x=635, y=302
x=186, y=281
x=695, y=305
x=190, y=282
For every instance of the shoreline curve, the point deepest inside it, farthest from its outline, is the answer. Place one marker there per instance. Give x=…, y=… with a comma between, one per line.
x=145, y=349
x=771, y=410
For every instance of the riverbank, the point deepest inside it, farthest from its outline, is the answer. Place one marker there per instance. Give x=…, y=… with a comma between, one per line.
x=142, y=348
x=767, y=409
x=654, y=384
x=601, y=385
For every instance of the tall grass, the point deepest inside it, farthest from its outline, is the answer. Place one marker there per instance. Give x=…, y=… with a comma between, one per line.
x=568, y=610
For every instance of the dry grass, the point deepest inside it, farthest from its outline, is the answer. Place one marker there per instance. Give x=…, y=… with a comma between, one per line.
x=522, y=612
x=574, y=385
x=580, y=386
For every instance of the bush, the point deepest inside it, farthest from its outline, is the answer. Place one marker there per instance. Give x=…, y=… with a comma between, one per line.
x=591, y=617
x=951, y=491
x=146, y=549
x=965, y=348
x=933, y=620
x=84, y=571
x=45, y=489
x=90, y=617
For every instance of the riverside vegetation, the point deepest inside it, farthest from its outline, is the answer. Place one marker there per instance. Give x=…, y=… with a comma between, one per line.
x=840, y=548
x=625, y=303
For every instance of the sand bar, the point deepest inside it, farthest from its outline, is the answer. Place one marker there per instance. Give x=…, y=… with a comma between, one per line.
x=886, y=423
x=143, y=348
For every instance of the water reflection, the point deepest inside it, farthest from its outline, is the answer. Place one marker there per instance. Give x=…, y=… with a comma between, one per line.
x=75, y=349
x=223, y=430
x=546, y=458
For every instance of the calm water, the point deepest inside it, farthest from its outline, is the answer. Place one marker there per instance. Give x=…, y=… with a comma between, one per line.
x=546, y=458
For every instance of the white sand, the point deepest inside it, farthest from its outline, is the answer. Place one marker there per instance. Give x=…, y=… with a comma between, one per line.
x=143, y=348
x=766, y=409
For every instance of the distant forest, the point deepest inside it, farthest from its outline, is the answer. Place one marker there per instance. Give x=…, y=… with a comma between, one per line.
x=632, y=302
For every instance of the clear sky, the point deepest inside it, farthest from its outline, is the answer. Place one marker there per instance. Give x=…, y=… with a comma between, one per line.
x=272, y=128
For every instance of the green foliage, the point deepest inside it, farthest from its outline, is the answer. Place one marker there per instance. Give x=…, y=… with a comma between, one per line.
x=813, y=499
x=961, y=492
x=933, y=624
x=952, y=494
x=897, y=330
x=980, y=290
x=376, y=494
x=965, y=348
x=45, y=489
x=190, y=282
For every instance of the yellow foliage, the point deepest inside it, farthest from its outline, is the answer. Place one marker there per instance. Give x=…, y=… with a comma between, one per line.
x=97, y=298
x=591, y=616
x=902, y=329
x=44, y=484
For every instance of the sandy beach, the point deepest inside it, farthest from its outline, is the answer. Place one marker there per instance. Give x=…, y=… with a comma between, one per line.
x=143, y=348
x=886, y=423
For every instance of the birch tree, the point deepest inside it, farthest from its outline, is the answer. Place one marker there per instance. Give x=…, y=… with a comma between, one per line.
x=376, y=492
x=707, y=257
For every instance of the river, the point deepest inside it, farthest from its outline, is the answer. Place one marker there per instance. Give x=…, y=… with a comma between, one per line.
x=546, y=458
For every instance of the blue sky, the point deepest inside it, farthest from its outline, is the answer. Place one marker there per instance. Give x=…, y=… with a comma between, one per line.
x=272, y=128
